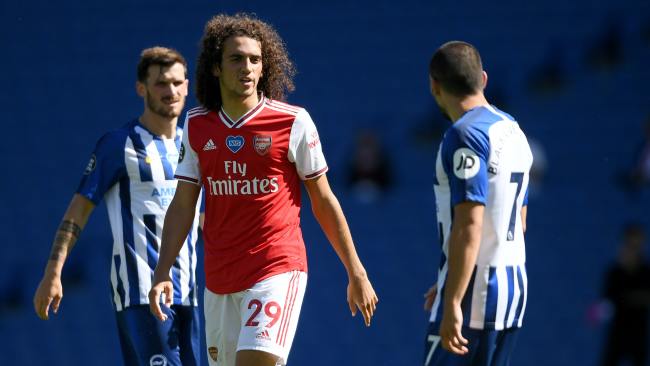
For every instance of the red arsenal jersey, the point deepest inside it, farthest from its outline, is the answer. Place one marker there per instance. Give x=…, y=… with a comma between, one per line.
x=251, y=170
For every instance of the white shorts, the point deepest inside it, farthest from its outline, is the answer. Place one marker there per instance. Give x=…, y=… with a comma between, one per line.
x=262, y=318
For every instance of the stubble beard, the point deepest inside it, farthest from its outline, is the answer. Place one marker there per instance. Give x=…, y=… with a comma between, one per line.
x=160, y=109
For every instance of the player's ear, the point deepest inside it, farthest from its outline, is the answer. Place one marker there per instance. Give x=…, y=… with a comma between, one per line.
x=186, y=85
x=434, y=88
x=485, y=79
x=216, y=70
x=140, y=89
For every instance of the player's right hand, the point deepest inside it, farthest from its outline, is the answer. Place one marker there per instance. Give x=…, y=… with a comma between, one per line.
x=451, y=337
x=361, y=295
x=49, y=293
x=160, y=287
x=430, y=297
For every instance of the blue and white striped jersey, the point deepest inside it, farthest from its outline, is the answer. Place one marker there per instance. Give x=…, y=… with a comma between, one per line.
x=133, y=170
x=484, y=157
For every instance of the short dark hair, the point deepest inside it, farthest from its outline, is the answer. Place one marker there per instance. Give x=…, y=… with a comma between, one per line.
x=162, y=56
x=456, y=65
x=277, y=69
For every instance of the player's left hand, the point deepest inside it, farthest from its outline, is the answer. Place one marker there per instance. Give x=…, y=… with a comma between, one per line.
x=430, y=297
x=451, y=337
x=361, y=295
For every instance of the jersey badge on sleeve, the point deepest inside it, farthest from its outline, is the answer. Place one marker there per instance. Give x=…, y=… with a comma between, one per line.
x=91, y=165
x=262, y=144
x=234, y=143
x=181, y=153
x=466, y=163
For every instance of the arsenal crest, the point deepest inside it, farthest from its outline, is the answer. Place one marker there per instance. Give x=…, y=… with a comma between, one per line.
x=262, y=144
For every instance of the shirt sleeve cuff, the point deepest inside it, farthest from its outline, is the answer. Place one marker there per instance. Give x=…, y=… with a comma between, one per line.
x=316, y=173
x=188, y=179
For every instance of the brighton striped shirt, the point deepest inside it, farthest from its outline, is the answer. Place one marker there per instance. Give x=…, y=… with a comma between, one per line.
x=484, y=157
x=133, y=170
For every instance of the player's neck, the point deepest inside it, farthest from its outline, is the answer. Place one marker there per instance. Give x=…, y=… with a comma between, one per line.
x=238, y=106
x=460, y=106
x=163, y=127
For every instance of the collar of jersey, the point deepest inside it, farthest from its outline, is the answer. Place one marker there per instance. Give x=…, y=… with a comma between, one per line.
x=243, y=119
x=488, y=107
x=469, y=111
x=138, y=124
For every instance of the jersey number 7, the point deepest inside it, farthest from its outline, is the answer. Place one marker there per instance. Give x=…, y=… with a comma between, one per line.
x=519, y=179
x=434, y=340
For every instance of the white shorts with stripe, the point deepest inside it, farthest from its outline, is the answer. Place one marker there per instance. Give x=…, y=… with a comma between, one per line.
x=262, y=318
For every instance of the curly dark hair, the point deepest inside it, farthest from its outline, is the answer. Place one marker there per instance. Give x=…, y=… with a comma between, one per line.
x=277, y=69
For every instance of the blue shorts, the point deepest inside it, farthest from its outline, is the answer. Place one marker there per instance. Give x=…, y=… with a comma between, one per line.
x=486, y=347
x=146, y=341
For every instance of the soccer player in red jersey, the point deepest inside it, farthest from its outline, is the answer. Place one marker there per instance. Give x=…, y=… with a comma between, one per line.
x=250, y=151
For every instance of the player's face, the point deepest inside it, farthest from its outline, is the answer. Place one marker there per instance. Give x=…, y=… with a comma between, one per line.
x=165, y=90
x=241, y=67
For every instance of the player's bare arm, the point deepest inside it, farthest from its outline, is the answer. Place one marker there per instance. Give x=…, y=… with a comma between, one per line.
x=329, y=214
x=178, y=221
x=524, y=214
x=50, y=291
x=464, y=243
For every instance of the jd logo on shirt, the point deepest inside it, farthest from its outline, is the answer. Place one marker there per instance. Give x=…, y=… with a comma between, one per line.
x=234, y=143
x=466, y=163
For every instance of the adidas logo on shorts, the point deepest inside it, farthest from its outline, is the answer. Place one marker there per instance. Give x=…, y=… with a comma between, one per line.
x=264, y=335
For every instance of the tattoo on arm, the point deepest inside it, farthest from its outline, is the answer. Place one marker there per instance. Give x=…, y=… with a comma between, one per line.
x=70, y=227
x=65, y=239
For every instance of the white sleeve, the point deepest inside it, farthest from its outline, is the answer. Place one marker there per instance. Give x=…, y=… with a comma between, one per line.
x=188, y=161
x=305, y=149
